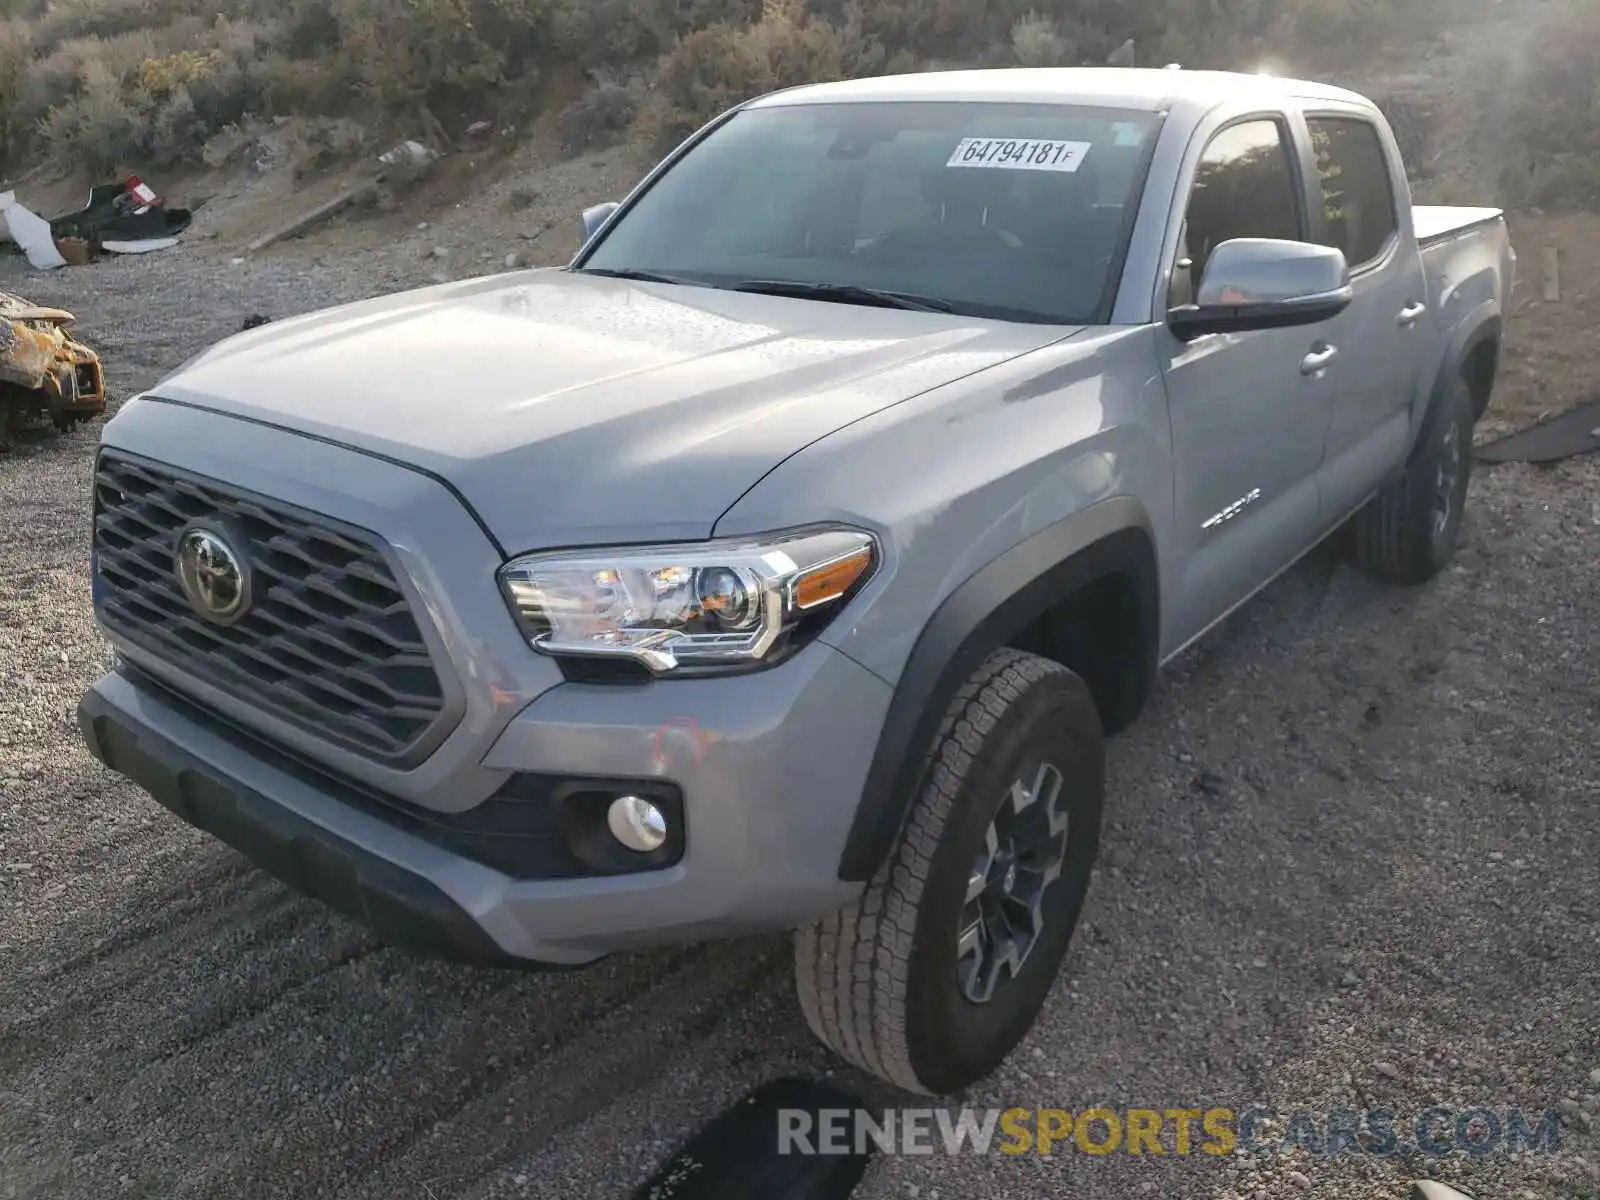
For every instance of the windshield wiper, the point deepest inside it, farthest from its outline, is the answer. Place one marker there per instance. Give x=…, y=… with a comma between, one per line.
x=844, y=293
x=628, y=273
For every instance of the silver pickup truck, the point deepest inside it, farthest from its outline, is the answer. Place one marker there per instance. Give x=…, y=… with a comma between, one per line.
x=784, y=560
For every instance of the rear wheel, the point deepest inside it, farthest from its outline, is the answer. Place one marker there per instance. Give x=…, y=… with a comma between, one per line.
x=1409, y=531
x=932, y=977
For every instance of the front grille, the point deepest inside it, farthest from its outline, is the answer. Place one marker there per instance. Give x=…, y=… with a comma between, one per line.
x=329, y=641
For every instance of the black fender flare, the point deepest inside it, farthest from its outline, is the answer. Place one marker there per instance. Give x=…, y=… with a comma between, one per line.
x=977, y=618
x=1483, y=324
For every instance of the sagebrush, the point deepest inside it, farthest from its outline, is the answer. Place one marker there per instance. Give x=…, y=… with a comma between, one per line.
x=1554, y=158
x=114, y=83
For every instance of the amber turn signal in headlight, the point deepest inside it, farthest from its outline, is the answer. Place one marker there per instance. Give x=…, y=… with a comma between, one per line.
x=724, y=603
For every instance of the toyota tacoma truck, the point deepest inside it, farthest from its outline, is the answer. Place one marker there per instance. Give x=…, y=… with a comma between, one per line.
x=784, y=560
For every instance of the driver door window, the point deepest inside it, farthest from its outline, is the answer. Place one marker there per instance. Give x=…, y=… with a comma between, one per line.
x=1245, y=187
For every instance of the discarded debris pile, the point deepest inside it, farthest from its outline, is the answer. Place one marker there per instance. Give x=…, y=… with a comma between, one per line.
x=119, y=218
x=44, y=370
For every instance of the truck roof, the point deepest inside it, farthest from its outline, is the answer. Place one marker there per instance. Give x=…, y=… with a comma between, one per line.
x=1148, y=89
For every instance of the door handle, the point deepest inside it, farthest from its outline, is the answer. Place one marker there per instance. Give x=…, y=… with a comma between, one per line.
x=1409, y=314
x=1313, y=363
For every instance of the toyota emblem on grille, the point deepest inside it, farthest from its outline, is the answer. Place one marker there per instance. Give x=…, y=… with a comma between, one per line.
x=213, y=575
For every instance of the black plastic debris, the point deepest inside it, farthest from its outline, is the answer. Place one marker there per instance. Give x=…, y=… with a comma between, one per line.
x=125, y=212
x=253, y=321
x=1574, y=432
x=739, y=1154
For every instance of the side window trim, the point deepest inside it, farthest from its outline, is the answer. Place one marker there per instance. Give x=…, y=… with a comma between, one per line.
x=1391, y=243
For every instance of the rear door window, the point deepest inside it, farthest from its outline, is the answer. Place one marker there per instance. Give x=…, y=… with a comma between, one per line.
x=1358, y=205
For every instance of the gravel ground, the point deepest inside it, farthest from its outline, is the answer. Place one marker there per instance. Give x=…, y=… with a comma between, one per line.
x=1352, y=861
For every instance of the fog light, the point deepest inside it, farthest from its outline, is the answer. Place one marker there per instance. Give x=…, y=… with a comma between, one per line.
x=637, y=824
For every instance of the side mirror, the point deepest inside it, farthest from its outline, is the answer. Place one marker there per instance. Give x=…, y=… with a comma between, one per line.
x=595, y=217
x=1263, y=283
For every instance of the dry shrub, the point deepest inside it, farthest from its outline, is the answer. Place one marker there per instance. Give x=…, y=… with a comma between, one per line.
x=401, y=53
x=1414, y=129
x=164, y=76
x=1365, y=24
x=175, y=127
x=605, y=31
x=57, y=78
x=952, y=30
x=1553, y=155
x=317, y=143
x=16, y=54
x=597, y=117
x=288, y=86
x=103, y=79
x=97, y=127
x=706, y=72
x=591, y=33
x=713, y=69
x=100, y=102
x=788, y=52
x=62, y=21
x=1037, y=41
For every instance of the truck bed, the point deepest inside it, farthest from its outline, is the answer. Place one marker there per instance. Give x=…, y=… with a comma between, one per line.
x=1437, y=222
x=1467, y=254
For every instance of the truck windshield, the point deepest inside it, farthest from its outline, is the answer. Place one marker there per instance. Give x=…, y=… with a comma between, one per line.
x=1013, y=211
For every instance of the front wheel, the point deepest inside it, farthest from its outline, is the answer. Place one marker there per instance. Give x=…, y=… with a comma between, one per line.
x=931, y=978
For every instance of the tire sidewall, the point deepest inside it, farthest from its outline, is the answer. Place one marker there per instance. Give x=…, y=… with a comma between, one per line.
x=952, y=1040
x=1436, y=547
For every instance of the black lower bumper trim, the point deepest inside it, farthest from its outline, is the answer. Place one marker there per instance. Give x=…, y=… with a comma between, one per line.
x=398, y=905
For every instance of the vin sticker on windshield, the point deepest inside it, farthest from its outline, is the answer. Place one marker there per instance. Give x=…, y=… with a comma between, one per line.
x=1019, y=154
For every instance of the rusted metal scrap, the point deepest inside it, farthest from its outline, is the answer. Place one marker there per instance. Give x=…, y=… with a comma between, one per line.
x=44, y=370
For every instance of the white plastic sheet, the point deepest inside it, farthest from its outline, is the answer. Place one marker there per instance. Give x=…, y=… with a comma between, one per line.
x=140, y=247
x=31, y=232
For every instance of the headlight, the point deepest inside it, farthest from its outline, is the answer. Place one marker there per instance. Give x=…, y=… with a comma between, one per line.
x=724, y=603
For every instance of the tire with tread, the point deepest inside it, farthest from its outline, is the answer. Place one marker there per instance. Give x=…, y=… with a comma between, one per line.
x=1395, y=536
x=877, y=979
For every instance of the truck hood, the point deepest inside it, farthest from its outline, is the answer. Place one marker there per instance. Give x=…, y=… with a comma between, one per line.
x=571, y=408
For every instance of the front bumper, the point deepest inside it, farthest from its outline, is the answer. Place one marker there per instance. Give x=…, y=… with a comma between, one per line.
x=770, y=767
x=399, y=904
